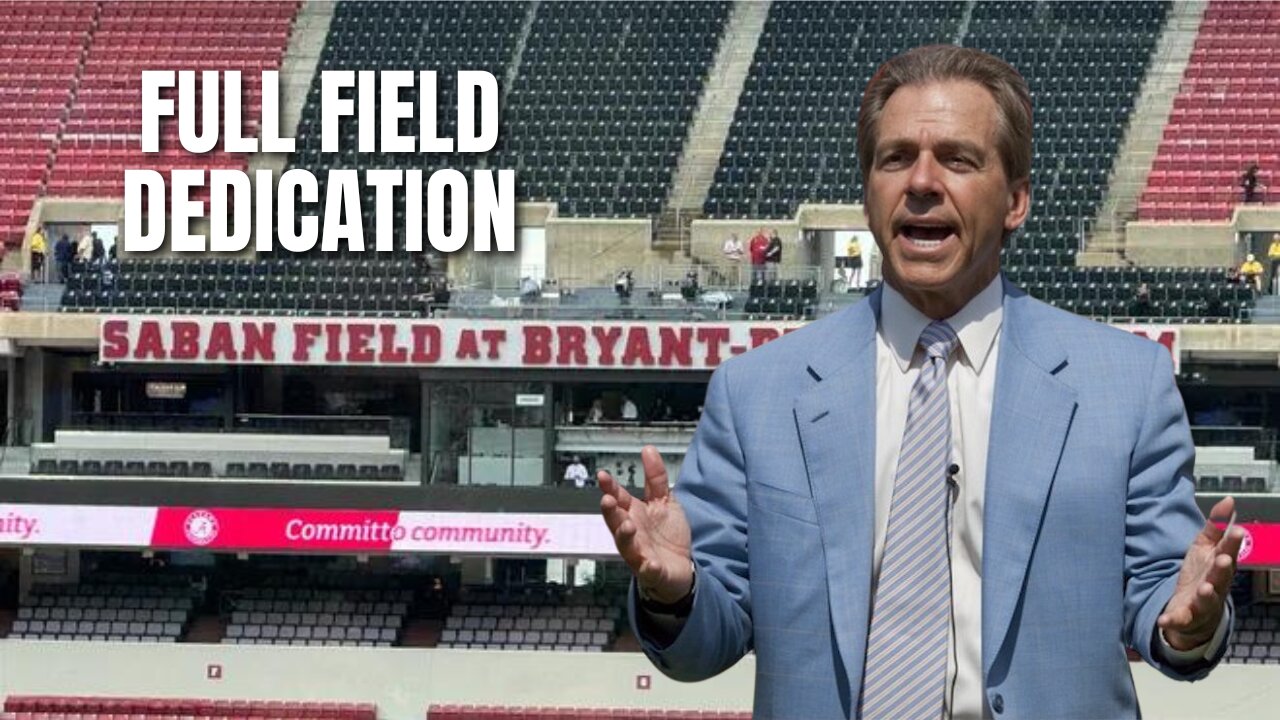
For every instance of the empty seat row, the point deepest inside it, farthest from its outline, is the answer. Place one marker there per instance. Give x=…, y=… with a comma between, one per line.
x=241, y=617
x=1231, y=484
x=123, y=468
x=454, y=622
x=524, y=637
x=317, y=471
x=308, y=632
x=202, y=469
x=109, y=614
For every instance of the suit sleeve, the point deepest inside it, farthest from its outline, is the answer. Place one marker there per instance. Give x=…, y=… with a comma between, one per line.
x=712, y=490
x=1161, y=521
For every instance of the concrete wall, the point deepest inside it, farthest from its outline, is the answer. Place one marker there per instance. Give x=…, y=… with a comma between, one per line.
x=1185, y=244
x=404, y=681
x=1198, y=244
x=580, y=251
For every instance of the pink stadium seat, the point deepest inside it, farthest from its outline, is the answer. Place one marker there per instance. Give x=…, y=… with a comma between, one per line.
x=1225, y=117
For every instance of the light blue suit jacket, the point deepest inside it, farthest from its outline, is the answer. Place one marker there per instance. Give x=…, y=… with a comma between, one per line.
x=1089, y=511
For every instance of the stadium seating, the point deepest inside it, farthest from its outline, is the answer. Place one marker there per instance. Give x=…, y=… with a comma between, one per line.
x=315, y=617
x=532, y=618
x=575, y=628
x=1224, y=117
x=57, y=707
x=100, y=138
x=389, y=35
x=596, y=109
x=1256, y=640
x=792, y=138
x=243, y=454
x=135, y=608
x=602, y=101
x=1084, y=65
x=40, y=48
x=365, y=287
x=1177, y=294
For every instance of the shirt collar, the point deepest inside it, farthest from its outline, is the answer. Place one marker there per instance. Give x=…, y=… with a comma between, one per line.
x=976, y=324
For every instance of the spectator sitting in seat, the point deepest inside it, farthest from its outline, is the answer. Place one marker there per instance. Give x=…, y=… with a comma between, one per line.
x=576, y=473
x=630, y=412
x=1251, y=185
x=1251, y=272
x=1141, y=305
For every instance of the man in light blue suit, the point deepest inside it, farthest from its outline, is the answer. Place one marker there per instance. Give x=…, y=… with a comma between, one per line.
x=949, y=500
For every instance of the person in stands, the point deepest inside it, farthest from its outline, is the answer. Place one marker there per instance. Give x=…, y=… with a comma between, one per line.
x=1273, y=259
x=38, y=248
x=1251, y=272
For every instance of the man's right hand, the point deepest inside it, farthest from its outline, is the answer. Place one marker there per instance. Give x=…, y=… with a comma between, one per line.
x=652, y=535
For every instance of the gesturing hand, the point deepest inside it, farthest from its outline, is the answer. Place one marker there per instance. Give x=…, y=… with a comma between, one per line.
x=1195, y=610
x=652, y=535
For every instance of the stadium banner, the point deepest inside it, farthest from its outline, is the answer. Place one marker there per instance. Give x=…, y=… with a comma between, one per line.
x=1167, y=335
x=306, y=530
x=1261, y=545
x=451, y=343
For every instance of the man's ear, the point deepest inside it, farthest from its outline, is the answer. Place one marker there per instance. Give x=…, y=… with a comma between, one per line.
x=1019, y=204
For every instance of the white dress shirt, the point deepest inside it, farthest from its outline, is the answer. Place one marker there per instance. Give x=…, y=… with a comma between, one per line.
x=971, y=382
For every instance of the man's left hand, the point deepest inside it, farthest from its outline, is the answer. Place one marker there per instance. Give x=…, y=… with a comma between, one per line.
x=1195, y=610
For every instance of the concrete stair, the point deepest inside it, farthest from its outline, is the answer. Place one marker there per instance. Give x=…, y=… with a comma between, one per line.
x=695, y=171
x=301, y=58
x=1151, y=112
x=208, y=629
x=421, y=632
x=1267, y=310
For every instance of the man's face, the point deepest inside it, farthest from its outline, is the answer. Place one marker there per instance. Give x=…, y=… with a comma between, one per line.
x=937, y=199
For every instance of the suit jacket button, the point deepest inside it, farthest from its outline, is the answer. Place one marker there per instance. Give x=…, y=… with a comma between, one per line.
x=997, y=703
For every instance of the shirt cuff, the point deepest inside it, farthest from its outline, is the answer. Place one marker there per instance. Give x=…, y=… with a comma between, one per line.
x=1200, y=652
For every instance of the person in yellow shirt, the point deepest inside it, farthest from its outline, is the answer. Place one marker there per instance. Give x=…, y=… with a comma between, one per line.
x=38, y=250
x=1251, y=271
x=854, y=253
x=1273, y=257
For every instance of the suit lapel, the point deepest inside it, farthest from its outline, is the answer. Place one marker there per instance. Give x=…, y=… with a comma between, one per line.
x=836, y=420
x=1031, y=416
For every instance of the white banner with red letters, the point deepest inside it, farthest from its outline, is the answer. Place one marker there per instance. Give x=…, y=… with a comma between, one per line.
x=450, y=343
x=306, y=530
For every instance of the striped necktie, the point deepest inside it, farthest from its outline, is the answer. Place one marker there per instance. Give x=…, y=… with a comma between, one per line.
x=906, y=669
